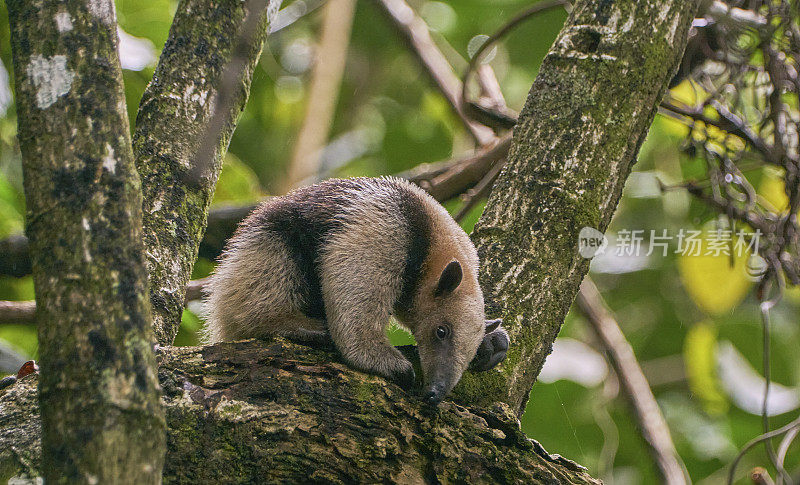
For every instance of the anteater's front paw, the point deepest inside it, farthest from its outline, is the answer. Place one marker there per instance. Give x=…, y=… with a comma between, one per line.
x=405, y=376
x=492, y=350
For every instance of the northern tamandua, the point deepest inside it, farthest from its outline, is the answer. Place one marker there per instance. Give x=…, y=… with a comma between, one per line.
x=338, y=258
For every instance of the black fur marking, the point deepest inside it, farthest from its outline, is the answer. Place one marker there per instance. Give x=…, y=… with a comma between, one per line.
x=308, y=217
x=419, y=230
x=305, y=219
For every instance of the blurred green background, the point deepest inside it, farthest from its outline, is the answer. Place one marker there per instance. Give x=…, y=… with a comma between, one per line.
x=692, y=321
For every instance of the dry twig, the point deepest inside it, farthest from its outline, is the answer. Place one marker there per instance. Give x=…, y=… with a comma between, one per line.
x=417, y=35
x=620, y=354
x=326, y=79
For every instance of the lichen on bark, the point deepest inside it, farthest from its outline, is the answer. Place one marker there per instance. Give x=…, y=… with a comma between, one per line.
x=577, y=137
x=102, y=418
x=278, y=412
x=173, y=114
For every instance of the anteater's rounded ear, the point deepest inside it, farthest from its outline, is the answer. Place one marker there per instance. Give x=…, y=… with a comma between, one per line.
x=450, y=279
x=491, y=325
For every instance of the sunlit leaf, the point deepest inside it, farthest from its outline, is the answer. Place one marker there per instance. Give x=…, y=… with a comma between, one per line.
x=714, y=284
x=688, y=93
x=699, y=355
x=672, y=126
x=772, y=190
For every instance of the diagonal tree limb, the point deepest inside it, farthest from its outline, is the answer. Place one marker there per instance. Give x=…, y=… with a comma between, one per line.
x=415, y=32
x=620, y=354
x=587, y=114
x=174, y=117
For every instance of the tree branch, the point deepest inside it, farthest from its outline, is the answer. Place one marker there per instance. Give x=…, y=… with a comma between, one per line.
x=577, y=137
x=620, y=354
x=273, y=411
x=25, y=311
x=102, y=417
x=466, y=172
x=18, y=312
x=415, y=32
x=202, y=44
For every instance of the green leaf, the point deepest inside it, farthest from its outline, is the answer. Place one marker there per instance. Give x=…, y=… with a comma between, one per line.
x=238, y=184
x=398, y=335
x=773, y=190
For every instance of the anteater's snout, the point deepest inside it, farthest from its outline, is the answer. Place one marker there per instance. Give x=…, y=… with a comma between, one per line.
x=433, y=395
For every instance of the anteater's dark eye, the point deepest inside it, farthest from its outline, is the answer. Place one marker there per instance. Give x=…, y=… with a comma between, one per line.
x=442, y=331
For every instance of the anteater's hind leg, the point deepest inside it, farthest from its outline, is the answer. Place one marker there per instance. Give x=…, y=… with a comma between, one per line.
x=253, y=291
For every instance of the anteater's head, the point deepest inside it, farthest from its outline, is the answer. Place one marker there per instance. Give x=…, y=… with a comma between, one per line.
x=448, y=324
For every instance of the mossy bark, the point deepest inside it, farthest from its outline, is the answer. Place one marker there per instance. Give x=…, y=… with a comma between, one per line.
x=278, y=412
x=103, y=420
x=173, y=114
x=577, y=137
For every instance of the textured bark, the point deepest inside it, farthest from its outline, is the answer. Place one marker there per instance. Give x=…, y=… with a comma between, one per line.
x=577, y=137
x=172, y=118
x=277, y=412
x=102, y=421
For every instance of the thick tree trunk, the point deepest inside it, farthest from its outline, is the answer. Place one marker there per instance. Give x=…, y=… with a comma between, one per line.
x=576, y=139
x=277, y=412
x=102, y=419
x=173, y=115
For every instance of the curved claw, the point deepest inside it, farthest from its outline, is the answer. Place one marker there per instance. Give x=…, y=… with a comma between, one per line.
x=492, y=350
